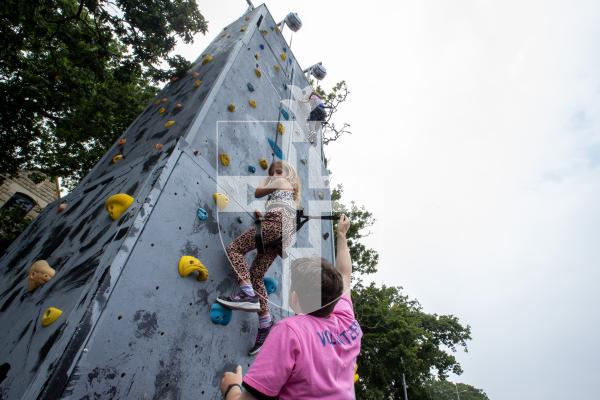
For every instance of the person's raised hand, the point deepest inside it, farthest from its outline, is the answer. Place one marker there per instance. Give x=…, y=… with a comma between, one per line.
x=343, y=225
x=230, y=378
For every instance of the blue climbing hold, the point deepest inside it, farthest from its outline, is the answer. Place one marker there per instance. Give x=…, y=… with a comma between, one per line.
x=285, y=114
x=270, y=284
x=262, y=46
x=202, y=214
x=220, y=315
x=250, y=87
x=276, y=149
x=284, y=49
x=284, y=86
x=251, y=169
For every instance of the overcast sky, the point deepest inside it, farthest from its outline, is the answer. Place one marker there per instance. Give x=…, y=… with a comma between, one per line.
x=476, y=128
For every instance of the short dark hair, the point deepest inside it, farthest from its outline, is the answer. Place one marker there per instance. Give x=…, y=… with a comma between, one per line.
x=318, y=285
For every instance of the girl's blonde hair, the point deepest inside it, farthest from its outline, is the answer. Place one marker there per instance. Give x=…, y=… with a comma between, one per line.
x=291, y=176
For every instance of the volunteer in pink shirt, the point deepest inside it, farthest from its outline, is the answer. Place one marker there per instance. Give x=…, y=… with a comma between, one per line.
x=311, y=355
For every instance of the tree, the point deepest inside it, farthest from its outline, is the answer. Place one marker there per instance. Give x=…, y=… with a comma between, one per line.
x=75, y=73
x=333, y=100
x=445, y=390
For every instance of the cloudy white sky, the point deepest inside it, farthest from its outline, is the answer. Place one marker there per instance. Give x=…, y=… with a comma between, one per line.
x=476, y=126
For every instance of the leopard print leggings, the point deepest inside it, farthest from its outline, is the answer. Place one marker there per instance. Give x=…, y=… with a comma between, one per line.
x=277, y=223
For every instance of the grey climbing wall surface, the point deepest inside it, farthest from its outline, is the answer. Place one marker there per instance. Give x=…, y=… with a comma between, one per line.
x=131, y=326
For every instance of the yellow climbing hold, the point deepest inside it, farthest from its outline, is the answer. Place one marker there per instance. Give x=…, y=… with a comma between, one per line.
x=283, y=56
x=243, y=29
x=221, y=199
x=197, y=83
x=231, y=107
x=256, y=56
x=178, y=106
x=169, y=124
x=207, y=58
x=264, y=164
x=189, y=264
x=162, y=110
x=50, y=315
x=257, y=72
x=277, y=67
x=280, y=128
x=252, y=103
x=355, y=374
x=117, y=204
x=264, y=33
x=117, y=158
x=224, y=157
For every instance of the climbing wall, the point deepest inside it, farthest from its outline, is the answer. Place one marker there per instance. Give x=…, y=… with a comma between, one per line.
x=131, y=325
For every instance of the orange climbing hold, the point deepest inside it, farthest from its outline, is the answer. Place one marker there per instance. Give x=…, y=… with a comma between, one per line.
x=224, y=157
x=169, y=124
x=62, y=207
x=164, y=100
x=122, y=141
x=197, y=83
x=280, y=128
x=162, y=110
x=207, y=58
x=40, y=272
x=252, y=103
x=158, y=146
x=189, y=264
x=117, y=204
x=117, y=158
x=264, y=164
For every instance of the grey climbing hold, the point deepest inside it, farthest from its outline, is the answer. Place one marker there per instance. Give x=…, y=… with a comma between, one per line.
x=250, y=87
x=321, y=195
x=240, y=220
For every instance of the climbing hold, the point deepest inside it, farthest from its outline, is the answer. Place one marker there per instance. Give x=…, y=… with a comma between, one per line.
x=270, y=284
x=355, y=374
x=280, y=128
x=247, y=19
x=197, y=83
x=251, y=169
x=164, y=100
x=285, y=87
x=50, y=315
x=157, y=101
x=206, y=59
x=162, y=110
x=257, y=72
x=243, y=29
x=189, y=264
x=256, y=56
x=220, y=315
x=264, y=164
x=196, y=152
x=117, y=204
x=174, y=79
x=275, y=148
x=285, y=114
x=250, y=87
x=224, y=157
x=221, y=199
x=321, y=195
x=283, y=56
x=252, y=103
x=231, y=107
x=240, y=220
x=39, y=273
x=122, y=141
x=169, y=124
x=326, y=235
x=62, y=207
x=264, y=32
x=202, y=214
x=262, y=46
x=303, y=161
x=195, y=74
x=277, y=67
x=158, y=146
x=117, y=158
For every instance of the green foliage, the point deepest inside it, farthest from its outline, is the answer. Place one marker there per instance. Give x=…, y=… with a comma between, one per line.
x=74, y=75
x=12, y=223
x=400, y=338
x=445, y=390
x=333, y=100
x=364, y=259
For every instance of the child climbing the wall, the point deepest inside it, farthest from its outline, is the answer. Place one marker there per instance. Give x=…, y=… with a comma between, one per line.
x=273, y=233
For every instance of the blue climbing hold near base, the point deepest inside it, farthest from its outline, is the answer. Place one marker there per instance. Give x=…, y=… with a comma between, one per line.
x=251, y=169
x=219, y=315
x=276, y=149
x=202, y=214
x=270, y=284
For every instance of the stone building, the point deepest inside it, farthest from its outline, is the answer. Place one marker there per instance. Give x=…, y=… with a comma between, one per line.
x=21, y=191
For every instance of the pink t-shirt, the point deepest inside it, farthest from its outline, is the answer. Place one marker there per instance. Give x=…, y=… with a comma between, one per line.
x=306, y=357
